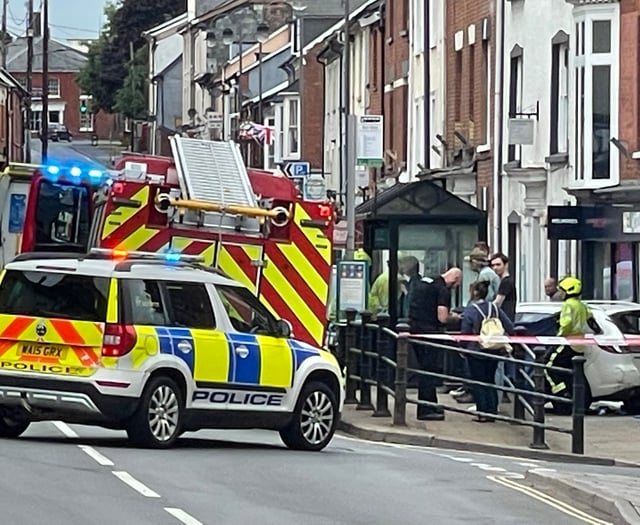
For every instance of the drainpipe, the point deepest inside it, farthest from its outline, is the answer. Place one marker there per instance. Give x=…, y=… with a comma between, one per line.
x=498, y=132
x=427, y=85
x=381, y=81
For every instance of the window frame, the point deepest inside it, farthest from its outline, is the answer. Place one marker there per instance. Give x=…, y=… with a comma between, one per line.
x=52, y=93
x=583, y=58
x=287, y=152
x=262, y=309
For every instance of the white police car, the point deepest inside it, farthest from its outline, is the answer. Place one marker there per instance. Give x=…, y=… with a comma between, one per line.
x=156, y=347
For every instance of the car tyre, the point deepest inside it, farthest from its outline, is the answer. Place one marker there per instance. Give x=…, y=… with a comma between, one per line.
x=12, y=428
x=632, y=406
x=314, y=420
x=157, y=421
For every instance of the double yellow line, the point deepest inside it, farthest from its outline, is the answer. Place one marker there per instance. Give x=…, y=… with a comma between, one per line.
x=548, y=500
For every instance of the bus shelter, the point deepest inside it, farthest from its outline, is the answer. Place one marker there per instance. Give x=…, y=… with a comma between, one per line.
x=420, y=220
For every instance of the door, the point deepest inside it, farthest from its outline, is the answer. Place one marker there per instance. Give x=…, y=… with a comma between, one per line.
x=260, y=358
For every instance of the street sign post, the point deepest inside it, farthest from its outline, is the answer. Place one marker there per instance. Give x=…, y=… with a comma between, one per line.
x=370, y=141
x=214, y=120
x=297, y=169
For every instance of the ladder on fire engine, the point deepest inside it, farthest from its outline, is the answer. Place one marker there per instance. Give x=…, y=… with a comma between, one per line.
x=213, y=173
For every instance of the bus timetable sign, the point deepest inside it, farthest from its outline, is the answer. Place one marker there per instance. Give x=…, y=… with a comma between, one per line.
x=370, y=141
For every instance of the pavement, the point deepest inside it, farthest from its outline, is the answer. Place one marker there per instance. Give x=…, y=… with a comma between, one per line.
x=609, y=440
x=72, y=474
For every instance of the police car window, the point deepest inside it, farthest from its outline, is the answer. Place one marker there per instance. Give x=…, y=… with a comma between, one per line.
x=58, y=295
x=246, y=313
x=190, y=305
x=144, y=302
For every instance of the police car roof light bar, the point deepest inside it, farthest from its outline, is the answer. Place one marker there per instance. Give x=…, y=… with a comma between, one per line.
x=124, y=254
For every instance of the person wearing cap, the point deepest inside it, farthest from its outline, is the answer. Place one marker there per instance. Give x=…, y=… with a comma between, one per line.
x=574, y=322
x=479, y=262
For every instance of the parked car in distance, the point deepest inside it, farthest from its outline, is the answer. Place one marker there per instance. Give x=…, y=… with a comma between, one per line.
x=612, y=372
x=58, y=132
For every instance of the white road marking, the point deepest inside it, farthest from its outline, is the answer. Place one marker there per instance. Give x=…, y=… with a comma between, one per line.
x=534, y=470
x=513, y=475
x=548, y=500
x=527, y=464
x=182, y=516
x=459, y=459
x=65, y=429
x=136, y=485
x=93, y=453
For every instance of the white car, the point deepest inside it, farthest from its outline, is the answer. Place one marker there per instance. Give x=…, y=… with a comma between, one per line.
x=613, y=373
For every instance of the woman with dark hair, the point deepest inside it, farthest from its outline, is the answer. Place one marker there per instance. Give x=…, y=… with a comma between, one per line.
x=481, y=368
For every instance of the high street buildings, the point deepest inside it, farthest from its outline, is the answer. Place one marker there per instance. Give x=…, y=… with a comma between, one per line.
x=526, y=110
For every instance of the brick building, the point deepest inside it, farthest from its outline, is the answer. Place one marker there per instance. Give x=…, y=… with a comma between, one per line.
x=470, y=48
x=12, y=104
x=65, y=96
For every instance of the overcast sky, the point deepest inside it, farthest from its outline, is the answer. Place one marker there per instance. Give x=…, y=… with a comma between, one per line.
x=68, y=19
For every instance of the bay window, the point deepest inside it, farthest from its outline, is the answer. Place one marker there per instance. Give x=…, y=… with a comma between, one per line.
x=291, y=128
x=595, y=83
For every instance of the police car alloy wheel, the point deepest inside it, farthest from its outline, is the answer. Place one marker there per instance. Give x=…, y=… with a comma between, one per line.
x=315, y=419
x=156, y=422
x=12, y=428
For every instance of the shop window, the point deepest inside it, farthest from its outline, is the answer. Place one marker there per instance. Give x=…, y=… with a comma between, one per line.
x=596, y=42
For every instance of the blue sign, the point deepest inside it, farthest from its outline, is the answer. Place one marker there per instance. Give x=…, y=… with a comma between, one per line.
x=297, y=169
x=17, y=206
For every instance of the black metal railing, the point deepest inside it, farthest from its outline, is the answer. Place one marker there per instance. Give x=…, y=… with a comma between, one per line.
x=377, y=357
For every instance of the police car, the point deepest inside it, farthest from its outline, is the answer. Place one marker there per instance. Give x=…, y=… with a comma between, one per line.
x=156, y=345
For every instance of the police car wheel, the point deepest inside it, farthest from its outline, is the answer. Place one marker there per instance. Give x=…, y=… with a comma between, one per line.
x=12, y=428
x=314, y=420
x=157, y=421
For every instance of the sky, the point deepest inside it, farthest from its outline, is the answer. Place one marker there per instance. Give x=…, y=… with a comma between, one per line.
x=68, y=19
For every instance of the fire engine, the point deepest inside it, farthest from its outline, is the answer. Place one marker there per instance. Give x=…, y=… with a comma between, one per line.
x=250, y=224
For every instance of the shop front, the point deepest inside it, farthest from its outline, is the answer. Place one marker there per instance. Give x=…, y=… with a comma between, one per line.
x=608, y=240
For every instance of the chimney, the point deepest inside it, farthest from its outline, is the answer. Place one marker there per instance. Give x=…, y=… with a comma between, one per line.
x=37, y=24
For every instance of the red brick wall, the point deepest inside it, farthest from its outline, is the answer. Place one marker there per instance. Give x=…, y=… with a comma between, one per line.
x=11, y=129
x=70, y=94
x=466, y=104
x=629, y=94
x=395, y=54
x=312, y=109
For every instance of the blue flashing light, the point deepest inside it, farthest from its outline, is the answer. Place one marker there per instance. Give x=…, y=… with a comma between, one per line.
x=95, y=174
x=172, y=257
x=53, y=170
x=75, y=171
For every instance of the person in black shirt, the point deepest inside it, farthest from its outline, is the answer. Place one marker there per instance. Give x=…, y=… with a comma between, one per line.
x=507, y=296
x=429, y=312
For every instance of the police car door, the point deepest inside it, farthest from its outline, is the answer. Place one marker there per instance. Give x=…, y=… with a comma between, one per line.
x=263, y=366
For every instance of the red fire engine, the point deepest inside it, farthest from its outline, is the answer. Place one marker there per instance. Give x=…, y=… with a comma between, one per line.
x=250, y=224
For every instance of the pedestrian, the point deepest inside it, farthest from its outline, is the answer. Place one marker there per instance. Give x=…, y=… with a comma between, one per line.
x=574, y=322
x=429, y=312
x=482, y=369
x=409, y=268
x=551, y=290
x=507, y=296
x=479, y=263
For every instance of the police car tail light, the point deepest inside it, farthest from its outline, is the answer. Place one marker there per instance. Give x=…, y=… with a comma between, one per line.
x=118, y=340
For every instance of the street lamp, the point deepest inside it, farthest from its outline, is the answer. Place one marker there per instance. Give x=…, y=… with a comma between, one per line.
x=227, y=36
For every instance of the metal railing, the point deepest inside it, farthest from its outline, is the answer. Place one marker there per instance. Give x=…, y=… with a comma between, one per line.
x=377, y=356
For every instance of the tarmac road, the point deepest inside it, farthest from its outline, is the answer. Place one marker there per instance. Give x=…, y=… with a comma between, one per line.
x=58, y=474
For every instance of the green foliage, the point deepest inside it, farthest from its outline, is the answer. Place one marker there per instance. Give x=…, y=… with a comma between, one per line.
x=115, y=83
x=131, y=98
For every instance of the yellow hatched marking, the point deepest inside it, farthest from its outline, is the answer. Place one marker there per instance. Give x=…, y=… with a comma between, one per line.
x=231, y=267
x=147, y=345
x=211, y=356
x=124, y=213
x=295, y=302
x=276, y=362
x=180, y=244
x=137, y=239
x=306, y=270
x=312, y=234
x=112, y=302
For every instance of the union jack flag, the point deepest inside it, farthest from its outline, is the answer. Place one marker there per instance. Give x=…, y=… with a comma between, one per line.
x=261, y=134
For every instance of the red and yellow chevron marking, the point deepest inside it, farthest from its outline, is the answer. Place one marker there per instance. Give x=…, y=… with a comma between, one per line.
x=239, y=263
x=295, y=279
x=79, y=341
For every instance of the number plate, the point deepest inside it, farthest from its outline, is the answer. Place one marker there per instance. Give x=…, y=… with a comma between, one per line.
x=43, y=350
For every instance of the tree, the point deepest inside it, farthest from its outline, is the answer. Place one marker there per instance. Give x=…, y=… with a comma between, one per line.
x=108, y=70
x=131, y=98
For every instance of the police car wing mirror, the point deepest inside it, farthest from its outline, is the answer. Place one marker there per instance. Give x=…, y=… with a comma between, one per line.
x=284, y=328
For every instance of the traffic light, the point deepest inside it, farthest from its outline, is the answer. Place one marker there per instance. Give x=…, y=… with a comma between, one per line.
x=83, y=106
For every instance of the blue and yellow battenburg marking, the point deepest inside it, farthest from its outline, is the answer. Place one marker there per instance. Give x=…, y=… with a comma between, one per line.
x=247, y=359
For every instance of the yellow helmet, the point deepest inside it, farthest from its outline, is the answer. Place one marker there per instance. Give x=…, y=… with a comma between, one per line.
x=361, y=255
x=570, y=286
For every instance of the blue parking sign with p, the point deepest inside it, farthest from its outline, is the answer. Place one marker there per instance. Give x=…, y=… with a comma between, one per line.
x=301, y=169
